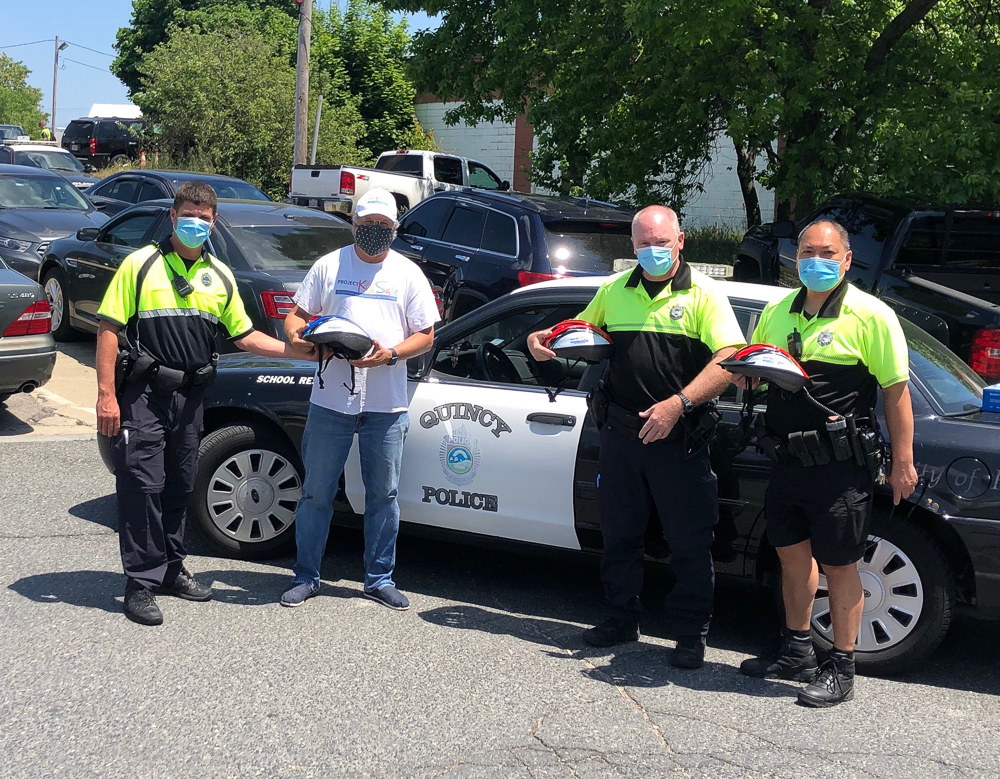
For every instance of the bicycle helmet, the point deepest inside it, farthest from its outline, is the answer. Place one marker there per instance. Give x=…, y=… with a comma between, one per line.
x=769, y=363
x=575, y=339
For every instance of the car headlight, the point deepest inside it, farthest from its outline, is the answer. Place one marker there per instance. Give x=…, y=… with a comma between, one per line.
x=14, y=244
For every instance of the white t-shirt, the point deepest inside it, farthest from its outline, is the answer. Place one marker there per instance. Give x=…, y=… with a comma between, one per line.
x=390, y=300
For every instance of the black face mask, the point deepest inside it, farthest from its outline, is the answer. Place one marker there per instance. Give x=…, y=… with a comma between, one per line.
x=374, y=239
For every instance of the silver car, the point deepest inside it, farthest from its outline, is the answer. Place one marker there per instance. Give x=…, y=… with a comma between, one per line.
x=27, y=350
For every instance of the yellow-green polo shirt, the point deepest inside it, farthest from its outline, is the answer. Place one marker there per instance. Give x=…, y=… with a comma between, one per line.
x=661, y=343
x=853, y=345
x=179, y=332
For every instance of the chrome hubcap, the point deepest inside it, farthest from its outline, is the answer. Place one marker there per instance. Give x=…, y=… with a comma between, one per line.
x=894, y=598
x=53, y=291
x=252, y=496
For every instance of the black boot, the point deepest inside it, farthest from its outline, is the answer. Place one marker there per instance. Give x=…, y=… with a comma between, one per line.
x=616, y=630
x=185, y=586
x=140, y=605
x=796, y=661
x=689, y=652
x=834, y=684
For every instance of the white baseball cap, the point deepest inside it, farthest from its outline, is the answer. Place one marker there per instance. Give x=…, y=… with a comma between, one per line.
x=376, y=201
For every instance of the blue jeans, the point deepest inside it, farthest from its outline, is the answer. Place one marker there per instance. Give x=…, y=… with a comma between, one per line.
x=325, y=445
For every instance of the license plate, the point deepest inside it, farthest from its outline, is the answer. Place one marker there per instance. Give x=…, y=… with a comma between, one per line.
x=74, y=147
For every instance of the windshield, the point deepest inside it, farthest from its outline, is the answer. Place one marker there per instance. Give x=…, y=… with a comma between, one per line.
x=10, y=132
x=234, y=190
x=295, y=246
x=953, y=386
x=591, y=247
x=51, y=160
x=38, y=192
x=410, y=164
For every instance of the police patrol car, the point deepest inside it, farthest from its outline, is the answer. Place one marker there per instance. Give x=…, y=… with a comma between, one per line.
x=502, y=447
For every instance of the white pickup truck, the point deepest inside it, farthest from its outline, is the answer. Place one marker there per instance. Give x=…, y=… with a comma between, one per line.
x=411, y=176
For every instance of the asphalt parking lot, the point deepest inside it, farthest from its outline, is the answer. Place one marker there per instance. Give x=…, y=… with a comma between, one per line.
x=486, y=675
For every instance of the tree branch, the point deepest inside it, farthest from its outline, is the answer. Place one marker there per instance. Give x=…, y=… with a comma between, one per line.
x=908, y=18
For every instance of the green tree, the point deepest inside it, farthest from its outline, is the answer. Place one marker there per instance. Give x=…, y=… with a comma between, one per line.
x=360, y=50
x=224, y=102
x=628, y=99
x=19, y=103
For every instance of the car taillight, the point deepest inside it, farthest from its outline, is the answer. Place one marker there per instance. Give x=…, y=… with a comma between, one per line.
x=527, y=277
x=36, y=320
x=93, y=145
x=346, y=183
x=984, y=354
x=277, y=304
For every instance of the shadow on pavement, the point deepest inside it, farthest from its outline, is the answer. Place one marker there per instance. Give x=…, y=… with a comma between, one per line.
x=100, y=511
x=11, y=424
x=90, y=589
x=83, y=349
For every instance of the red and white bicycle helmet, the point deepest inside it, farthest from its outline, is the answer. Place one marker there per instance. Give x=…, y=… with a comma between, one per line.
x=769, y=363
x=575, y=339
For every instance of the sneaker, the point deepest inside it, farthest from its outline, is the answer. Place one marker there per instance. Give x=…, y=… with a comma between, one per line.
x=616, y=630
x=834, y=683
x=186, y=586
x=140, y=605
x=795, y=661
x=389, y=596
x=298, y=594
x=689, y=652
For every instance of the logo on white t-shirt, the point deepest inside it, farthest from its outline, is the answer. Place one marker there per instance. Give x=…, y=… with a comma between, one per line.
x=379, y=289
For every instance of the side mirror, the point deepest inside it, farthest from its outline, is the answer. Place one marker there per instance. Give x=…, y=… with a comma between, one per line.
x=783, y=229
x=88, y=168
x=87, y=233
x=504, y=186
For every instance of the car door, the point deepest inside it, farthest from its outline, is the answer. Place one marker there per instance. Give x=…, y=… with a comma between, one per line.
x=151, y=190
x=488, y=451
x=449, y=173
x=447, y=262
x=422, y=224
x=117, y=195
x=95, y=262
x=482, y=177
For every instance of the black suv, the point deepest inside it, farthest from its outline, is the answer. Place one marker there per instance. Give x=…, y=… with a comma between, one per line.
x=475, y=245
x=102, y=141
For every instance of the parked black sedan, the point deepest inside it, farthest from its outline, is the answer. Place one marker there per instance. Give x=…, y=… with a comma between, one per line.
x=502, y=447
x=269, y=246
x=36, y=208
x=121, y=190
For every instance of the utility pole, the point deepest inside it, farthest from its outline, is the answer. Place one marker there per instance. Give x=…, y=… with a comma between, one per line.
x=302, y=84
x=319, y=113
x=55, y=85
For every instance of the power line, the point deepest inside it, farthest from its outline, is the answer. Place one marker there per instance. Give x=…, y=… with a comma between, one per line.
x=92, y=67
x=30, y=43
x=102, y=53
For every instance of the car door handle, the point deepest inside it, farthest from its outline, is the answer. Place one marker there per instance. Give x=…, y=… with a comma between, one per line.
x=560, y=420
x=462, y=257
x=417, y=248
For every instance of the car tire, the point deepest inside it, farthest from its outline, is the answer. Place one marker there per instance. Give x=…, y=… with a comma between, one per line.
x=257, y=472
x=905, y=572
x=54, y=283
x=402, y=204
x=120, y=159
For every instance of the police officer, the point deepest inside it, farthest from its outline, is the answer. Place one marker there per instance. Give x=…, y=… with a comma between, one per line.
x=819, y=501
x=169, y=300
x=46, y=132
x=671, y=325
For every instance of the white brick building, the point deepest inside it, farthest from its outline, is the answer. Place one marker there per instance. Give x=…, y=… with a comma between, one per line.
x=505, y=147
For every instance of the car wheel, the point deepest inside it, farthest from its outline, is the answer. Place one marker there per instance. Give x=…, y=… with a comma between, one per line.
x=909, y=598
x=248, y=485
x=402, y=204
x=121, y=159
x=54, y=284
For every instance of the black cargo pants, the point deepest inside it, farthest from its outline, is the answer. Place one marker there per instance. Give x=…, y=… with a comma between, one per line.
x=685, y=493
x=156, y=459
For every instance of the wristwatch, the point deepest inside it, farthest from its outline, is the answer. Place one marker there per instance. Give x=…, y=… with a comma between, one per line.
x=685, y=401
x=395, y=358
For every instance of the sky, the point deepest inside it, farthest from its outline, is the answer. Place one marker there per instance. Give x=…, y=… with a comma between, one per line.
x=84, y=78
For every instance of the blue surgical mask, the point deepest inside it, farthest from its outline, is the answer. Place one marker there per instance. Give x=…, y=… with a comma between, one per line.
x=192, y=231
x=656, y=260
x=819, y=274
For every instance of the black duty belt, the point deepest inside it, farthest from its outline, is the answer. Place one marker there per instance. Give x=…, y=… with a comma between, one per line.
x=134, y=366
x=842, y=441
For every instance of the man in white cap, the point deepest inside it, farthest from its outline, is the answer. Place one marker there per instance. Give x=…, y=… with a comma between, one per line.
x=387, y=296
